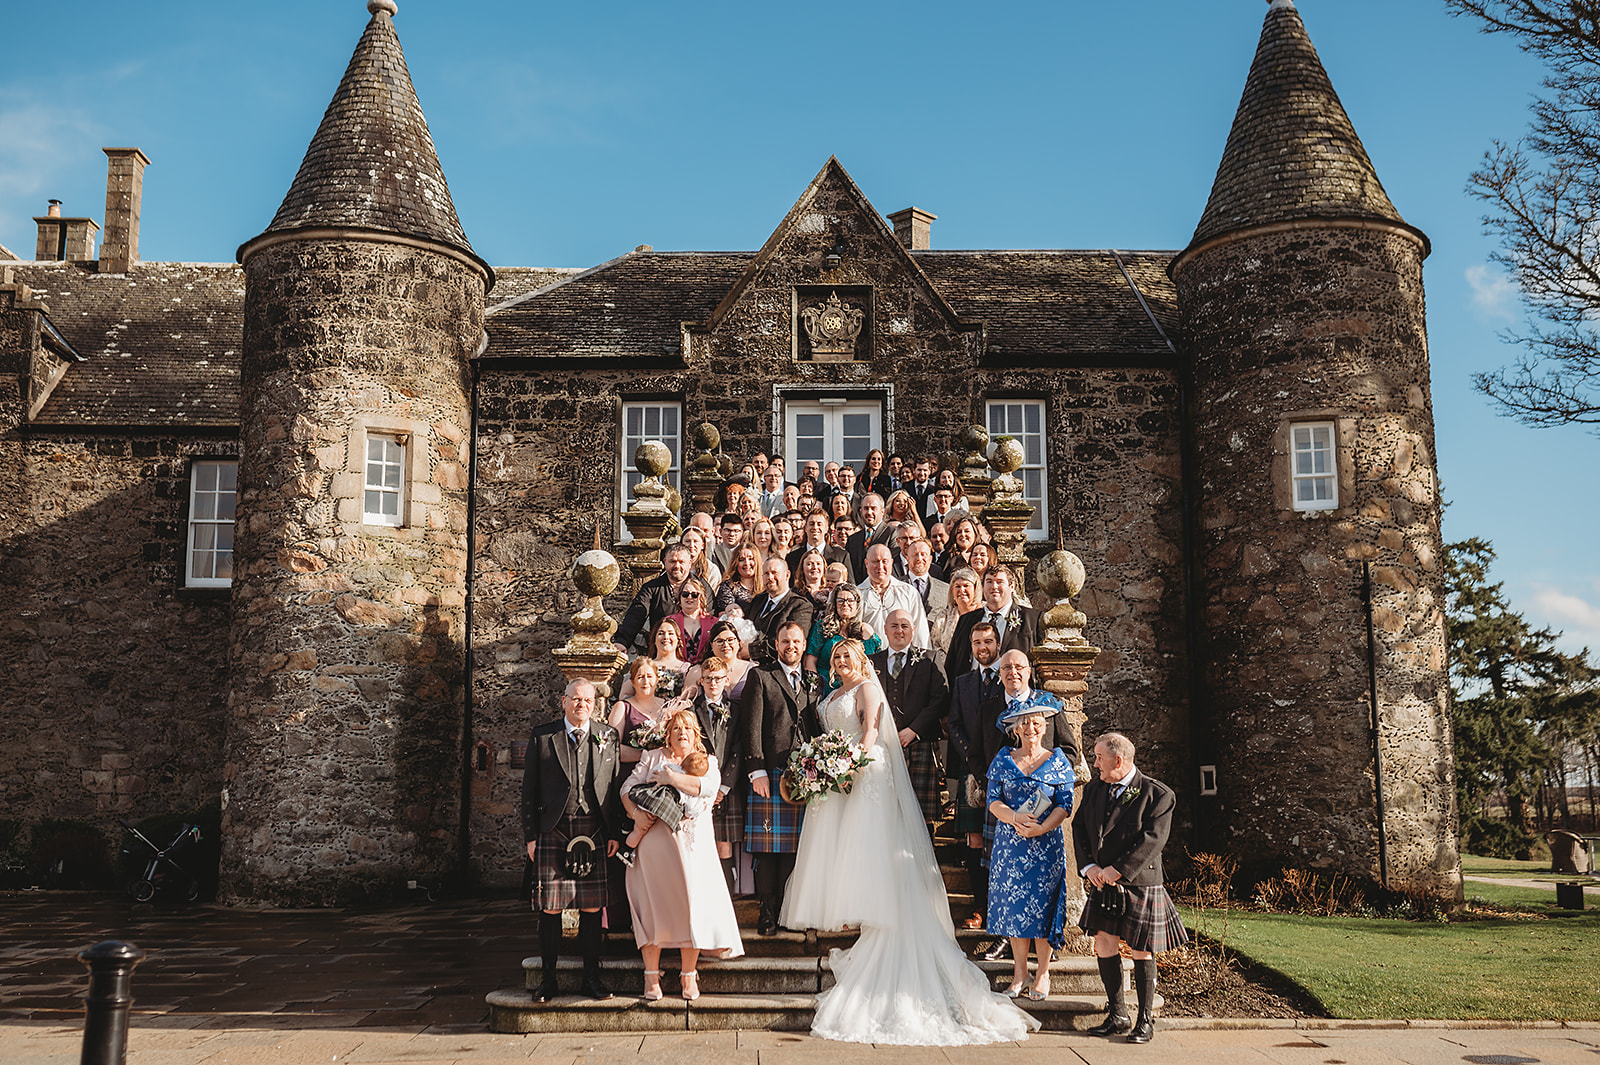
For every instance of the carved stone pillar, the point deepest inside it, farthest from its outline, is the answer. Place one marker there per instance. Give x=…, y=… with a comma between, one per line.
x=974, y=471
x=1006, y=513
x=648, y=518
x=589, y=654
x=1062, y=663
x=702, y=475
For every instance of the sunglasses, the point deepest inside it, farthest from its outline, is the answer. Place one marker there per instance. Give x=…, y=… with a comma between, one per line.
x=689, y=595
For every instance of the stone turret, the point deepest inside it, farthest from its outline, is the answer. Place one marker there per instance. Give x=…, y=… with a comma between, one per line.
x=1302, y=303
x=363, y=307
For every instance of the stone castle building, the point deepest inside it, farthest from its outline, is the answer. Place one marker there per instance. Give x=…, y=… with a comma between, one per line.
x=296, y=532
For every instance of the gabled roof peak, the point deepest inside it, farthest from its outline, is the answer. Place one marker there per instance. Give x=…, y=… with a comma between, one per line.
x=1292, y=153
x=372, y=165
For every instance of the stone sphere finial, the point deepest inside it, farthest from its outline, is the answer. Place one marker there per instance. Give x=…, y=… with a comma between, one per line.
x=596, y=573
x=974, y=438
x=1006, y=454
x=1060, y=575
x=705, y=437
x=652, y=458
x=388, y=7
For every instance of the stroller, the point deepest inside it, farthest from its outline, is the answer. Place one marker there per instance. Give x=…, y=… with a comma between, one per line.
x=162, y=873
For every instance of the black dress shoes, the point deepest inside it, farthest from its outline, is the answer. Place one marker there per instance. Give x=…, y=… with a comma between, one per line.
x=769, y=921
x=1145, y=1030
x=997, y=950
x=547, y=990
x=594, y=988
x=1113, y=1025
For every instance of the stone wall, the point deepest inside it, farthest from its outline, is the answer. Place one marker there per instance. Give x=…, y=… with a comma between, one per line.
x=1324, y=324
x=345, y=737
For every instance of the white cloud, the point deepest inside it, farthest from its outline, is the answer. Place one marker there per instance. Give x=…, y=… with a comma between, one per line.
x=1493, y=293
x=1575, y=617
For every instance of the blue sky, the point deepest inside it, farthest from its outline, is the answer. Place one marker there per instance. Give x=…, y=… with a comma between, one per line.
x=571, y=133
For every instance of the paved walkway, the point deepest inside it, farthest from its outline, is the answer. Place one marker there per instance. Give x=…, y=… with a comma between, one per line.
x=1546, y=885
x=237, y=987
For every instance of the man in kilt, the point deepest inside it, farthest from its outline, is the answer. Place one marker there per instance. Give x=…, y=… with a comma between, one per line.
x=572, y=820
x=778, y=714
x=1121, y=828
x=715, y=714
x=969, y=693
x=919, y=699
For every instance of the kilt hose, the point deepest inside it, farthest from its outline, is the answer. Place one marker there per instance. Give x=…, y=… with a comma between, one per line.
x=1151, y=922
x=771, y=826
x=927, y=777
x=553, y=887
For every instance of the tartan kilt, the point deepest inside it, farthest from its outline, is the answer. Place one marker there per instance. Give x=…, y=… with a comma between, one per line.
x=727, y=817
x=771, y=826
x=1152, y=922
x=553, y=889
x=927, y=777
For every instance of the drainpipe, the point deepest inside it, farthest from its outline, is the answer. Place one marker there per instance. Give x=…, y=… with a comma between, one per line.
x=464, y=828
x=1377, y=744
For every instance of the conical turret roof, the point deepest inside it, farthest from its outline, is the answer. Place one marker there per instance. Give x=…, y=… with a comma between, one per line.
x=1292, y=153
x=372, y=163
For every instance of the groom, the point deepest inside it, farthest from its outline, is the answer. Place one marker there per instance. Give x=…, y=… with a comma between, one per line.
x=777, y=715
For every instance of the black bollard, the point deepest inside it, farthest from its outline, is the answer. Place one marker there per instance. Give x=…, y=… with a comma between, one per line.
x=105, y=1022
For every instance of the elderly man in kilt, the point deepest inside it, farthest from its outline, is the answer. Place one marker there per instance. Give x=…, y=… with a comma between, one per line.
x=572, y=819
x=715, y=714
x=919, y=699
x=777, y=714
x=1121, y=828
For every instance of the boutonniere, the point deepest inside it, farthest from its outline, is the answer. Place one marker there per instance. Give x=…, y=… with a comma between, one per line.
x=915, y=655
x=599, y=738
x=1013, y=616
x=1128, y=795
x=811, y=682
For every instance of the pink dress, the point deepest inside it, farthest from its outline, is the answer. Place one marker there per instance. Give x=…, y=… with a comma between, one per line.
x=676, y=888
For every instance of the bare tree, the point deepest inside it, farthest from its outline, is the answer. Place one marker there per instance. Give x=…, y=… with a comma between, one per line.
x=1543, y=194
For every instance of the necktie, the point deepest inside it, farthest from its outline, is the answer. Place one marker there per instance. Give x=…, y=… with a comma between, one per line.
x=794, y=680
x=898, y=664
x=988, y=678
x=1111, y=801
x=922, y=588
x=579, y=769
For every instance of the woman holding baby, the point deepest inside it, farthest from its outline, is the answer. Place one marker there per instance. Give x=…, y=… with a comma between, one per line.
x=675, y=884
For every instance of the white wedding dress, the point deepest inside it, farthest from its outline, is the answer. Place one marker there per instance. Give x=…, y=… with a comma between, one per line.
x=865, y=859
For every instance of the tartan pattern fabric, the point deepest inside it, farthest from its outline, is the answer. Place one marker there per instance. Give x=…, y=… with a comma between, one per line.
x=727, y=817
x=927, y=777
x=1152, y=922
x=553, y=889
x=771, y=826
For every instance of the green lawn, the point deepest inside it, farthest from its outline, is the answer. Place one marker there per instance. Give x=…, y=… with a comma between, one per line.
x=1532, y=899
x=1472, y=865
x=1511, y=969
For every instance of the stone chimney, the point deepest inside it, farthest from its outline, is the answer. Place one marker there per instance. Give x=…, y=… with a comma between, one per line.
x=124, y=190
x=64, y=239
x=912, y=226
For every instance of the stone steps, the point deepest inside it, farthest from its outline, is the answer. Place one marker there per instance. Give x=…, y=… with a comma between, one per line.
x=514, y=1011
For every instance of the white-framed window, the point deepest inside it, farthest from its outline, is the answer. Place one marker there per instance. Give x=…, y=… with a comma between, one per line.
x=382, y=501
x=1024, y=419
x=831, y=430
x=648, y=420
x=213, y=488
x=1313, y=466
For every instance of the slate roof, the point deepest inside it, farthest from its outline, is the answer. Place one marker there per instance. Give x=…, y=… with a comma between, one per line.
x=1037, y=304
x=161, y=344
x=372, y=163
x=1292, y=153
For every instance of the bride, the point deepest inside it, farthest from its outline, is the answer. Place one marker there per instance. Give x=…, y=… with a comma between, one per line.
x=865, y=859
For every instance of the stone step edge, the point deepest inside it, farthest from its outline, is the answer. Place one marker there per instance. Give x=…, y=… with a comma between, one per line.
x=1069, y=963
x=514, y=1011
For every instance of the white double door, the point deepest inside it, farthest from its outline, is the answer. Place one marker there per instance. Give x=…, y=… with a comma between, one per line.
x=841, y=431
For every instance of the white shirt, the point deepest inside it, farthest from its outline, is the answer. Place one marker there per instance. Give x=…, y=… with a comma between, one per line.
x=898, y=595
x=997, y=618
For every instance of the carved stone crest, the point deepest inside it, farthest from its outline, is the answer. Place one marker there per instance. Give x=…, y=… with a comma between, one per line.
x=833, y=326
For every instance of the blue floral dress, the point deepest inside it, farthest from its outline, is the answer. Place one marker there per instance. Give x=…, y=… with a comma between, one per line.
x=1027, y=877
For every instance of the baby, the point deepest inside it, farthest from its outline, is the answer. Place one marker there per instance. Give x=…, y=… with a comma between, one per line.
x=695, y=764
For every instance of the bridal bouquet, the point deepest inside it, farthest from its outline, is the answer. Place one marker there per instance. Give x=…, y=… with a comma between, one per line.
x=650, y=735
x=828, y=763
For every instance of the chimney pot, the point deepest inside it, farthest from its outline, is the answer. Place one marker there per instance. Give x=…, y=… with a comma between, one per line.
x=124, y=194
x=912, y=226
x=55, y=209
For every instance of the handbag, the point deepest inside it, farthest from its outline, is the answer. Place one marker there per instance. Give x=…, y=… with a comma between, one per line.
x=1036, y=806
x=660, y=800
